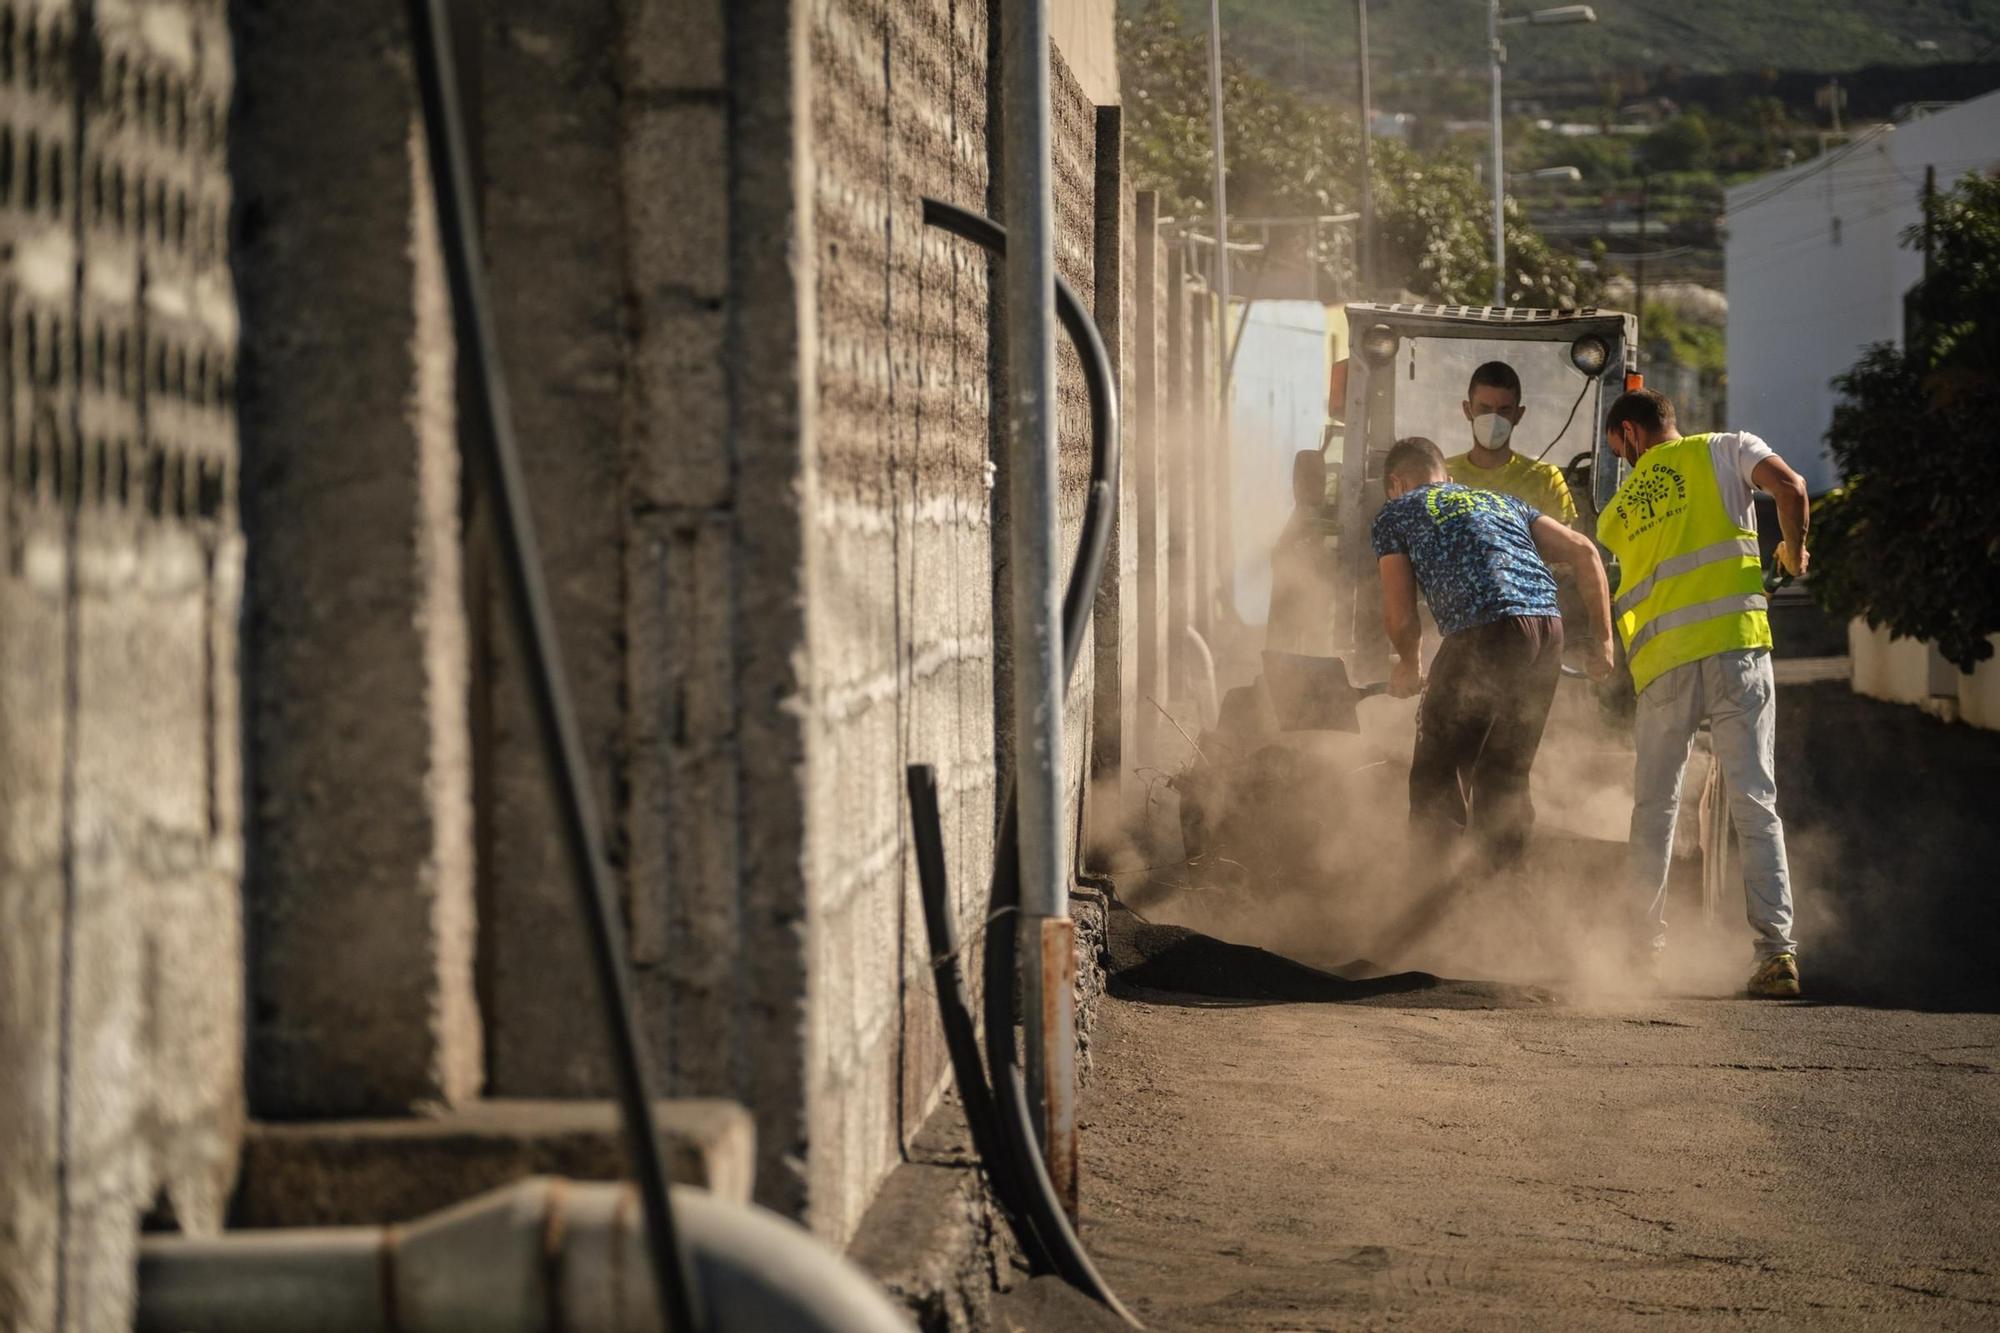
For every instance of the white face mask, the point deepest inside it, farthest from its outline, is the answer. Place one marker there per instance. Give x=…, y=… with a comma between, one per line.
x=1491, y=430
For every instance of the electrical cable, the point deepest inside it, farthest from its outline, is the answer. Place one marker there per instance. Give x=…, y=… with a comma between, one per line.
x=1020, y=1156
x=488, y=449
x=1588, y=380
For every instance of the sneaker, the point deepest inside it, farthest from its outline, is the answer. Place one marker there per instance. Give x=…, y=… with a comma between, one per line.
x=1776, y=978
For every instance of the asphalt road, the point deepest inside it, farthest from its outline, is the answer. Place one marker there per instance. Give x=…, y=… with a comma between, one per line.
x=1556, y=1143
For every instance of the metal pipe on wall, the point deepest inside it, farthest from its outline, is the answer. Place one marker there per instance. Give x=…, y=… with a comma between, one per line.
x=537, y=1255
x=1030, y=277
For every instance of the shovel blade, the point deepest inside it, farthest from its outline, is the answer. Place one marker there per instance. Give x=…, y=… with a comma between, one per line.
x=1311, y=693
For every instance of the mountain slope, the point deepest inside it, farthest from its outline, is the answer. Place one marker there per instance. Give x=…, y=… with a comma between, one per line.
x=1309, y=44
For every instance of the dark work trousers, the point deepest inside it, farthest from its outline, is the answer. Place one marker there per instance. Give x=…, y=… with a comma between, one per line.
x=1478, y=728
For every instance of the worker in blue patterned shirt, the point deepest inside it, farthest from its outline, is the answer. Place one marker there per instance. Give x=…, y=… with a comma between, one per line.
x=1482, y=561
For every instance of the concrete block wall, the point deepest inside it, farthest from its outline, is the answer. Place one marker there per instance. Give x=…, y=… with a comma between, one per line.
x=360, y=884
x=755, y=400
x=553, y=138
x=908, y=578
x=902, y=636
x=121, y=1002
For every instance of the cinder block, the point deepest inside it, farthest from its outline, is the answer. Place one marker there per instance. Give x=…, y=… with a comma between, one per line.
x=675, y=45
x=677, y=198
x=679, y=420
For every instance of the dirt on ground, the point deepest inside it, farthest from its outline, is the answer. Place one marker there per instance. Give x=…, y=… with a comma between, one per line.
x=1492, y=1120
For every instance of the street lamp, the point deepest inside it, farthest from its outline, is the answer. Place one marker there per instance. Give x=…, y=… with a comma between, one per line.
x=1498, y=55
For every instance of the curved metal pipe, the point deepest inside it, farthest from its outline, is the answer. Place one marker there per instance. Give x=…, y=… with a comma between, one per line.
x=1020, y=1172
x=539, y=1254
x=1080, y=596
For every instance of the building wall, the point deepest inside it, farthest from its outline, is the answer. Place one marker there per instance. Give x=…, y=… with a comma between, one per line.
x=1815, y=271
x=754, y=396
x=908, y=588
x=120, y=993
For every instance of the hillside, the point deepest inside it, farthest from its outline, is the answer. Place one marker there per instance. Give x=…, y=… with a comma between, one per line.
x=1309, y=44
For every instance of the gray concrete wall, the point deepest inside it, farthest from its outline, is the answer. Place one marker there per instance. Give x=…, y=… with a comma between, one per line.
x=552, y=133
x=361, y=876
x=754, y=395
x=120, y=994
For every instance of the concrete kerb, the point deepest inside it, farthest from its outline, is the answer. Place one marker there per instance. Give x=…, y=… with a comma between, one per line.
x=355, y=1172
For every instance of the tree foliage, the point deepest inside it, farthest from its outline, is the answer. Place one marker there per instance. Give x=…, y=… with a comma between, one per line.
x=1288, y=157
x=1912, y=541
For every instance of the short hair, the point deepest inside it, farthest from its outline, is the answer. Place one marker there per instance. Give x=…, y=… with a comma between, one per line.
x=1414, y=459
x=1648, y=409
x=1495, y=375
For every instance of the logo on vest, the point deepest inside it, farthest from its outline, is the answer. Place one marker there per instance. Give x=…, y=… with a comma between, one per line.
x=1651, y=498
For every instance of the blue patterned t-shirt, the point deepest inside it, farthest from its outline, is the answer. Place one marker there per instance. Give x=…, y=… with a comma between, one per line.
x=1473, y=554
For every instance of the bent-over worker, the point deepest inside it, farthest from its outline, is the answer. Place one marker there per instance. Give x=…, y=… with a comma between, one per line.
x=1691, y=608
x=1482, y=561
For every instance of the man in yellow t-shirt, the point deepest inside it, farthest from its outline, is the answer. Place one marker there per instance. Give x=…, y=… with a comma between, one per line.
x=1493, y=406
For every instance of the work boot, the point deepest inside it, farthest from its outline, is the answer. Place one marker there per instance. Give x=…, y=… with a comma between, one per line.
x=1776, y=978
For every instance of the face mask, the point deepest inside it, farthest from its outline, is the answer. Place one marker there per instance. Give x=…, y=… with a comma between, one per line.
x=1491, y=429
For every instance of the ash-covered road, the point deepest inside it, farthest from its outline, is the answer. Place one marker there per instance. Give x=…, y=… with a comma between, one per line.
x=1575, y=1153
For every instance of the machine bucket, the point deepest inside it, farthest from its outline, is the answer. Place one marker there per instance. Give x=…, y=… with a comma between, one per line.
x=1314, y=693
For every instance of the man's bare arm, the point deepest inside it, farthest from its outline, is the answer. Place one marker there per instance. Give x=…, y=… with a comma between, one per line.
x=1399, y=621
x=1564, y=546
x=1775, y=477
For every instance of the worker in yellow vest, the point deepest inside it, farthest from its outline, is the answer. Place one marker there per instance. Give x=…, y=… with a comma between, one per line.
x=1691, y=609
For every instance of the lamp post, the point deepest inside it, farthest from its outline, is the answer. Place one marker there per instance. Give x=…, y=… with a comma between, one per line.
x=1364, y=250
x=1497, y=55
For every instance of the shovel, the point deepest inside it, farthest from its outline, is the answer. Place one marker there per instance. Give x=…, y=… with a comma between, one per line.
x=1314, y=693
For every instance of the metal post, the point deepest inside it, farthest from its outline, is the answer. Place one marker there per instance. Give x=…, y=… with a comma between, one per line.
x=1498, y=56
x=1364, y=249
x=1639, y=265
x=1213, y=580
x=1032, y=483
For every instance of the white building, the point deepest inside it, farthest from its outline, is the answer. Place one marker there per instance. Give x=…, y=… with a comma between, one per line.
x=1816, y=271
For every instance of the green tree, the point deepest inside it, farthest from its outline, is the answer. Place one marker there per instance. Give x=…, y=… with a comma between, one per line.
x=1289, y=156
x=1912, y=540
x=1683, y=143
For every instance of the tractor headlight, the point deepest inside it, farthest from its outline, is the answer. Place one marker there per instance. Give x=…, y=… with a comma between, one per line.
x=1589, y=354
x=1378, y=344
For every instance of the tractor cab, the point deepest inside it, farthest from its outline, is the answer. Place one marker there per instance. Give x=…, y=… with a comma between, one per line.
x=1406, y=375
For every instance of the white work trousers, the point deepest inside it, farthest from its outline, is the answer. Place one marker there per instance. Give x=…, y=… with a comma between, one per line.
x=1734, y=691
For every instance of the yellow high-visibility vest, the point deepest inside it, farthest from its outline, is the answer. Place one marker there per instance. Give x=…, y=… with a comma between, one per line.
x=1690, y=584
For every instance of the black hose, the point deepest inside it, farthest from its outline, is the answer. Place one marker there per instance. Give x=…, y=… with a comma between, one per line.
x=487, y=443
x=1050, y=1238
x=960, y=1037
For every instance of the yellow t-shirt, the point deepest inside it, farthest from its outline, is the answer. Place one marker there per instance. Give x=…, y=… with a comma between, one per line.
x=1539, y=484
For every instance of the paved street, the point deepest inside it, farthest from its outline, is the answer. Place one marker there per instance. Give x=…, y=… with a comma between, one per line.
x=1577, y=1152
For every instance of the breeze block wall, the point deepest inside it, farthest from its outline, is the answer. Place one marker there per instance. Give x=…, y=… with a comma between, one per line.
x=901, y=618
x=908, y=590
x=120, y=853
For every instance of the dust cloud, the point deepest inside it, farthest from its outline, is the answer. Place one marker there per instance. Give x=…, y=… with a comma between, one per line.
x=1301, y=844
